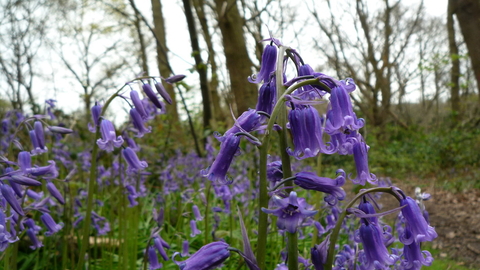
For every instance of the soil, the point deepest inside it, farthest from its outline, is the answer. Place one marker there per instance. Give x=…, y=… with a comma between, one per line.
x=456, y=218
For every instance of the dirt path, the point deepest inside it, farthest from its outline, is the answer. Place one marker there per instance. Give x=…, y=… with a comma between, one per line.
x=456, y=218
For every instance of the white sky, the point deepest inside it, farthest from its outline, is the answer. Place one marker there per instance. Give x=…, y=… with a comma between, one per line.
x=179, y=43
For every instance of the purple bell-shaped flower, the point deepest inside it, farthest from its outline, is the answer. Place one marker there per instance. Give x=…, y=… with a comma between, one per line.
x=109, y=139
x=209, y=257
x=291, y=211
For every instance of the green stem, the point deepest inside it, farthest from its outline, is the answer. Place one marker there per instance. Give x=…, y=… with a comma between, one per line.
x=278, y=111
x=207, y=212
x=334, y=235
x=91, y=190
x=262, y=203
x=292, y=238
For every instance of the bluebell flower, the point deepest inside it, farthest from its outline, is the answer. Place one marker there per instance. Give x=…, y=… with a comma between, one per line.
x=274, y=171
x=39, y=132
x=332, y=187
x=175, y=78
x=109, y=139
x=47, y=172
x=196, y=213
x=132, y=195
x=160, y=246
x=9, y=195
x=52, y=227
x=138, y=123
x=153, y=259
x=413, y=257
x=34, y=239
x=219, y=168
x=360, y=155
x=147, y=89
x=291, y=212
x=21, y=179
x=52, y=189
x=185, y=249
x=134, y=164
x=269, y=61
x=100, y=224
x=24, y=160
x=341, y=116
x=59, y=130
x=163, y=93
x=267, y=97
x=319, y=254
x=36, y=145
x=5, y=237
x=193, y=229
x=139, y=105
x=415, y=222
x=210, y=256
x=96, y=110
x=247, y=122
x=375, y=253
x=305, y=125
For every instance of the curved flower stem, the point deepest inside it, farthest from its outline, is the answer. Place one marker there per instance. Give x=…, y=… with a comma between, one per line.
x=334, y=235
x=91, y=189
x=279, y=112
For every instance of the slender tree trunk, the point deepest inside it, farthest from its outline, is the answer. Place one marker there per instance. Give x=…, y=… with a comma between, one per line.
x=162, y=56
x=216, y=107
x=455, y=71
x=199, y=65
x=238, y=62
x=143, y=50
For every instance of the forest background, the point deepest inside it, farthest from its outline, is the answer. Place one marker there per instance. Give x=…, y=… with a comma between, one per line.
x=418, y=73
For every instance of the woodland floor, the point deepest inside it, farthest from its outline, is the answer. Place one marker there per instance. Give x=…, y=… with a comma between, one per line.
x=456, y=218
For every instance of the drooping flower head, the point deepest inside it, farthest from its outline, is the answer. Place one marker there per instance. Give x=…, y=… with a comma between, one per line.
x=109, y=139
x=163, y=92
x=52, y=226
x=134, y=164
x=267, y=97
x=305, y=125
x=413, y=257
x=340, y=115
x=360, y=155
x=96, y=110
x=332, y=187
x=247, y=122
x=219, y=168
x=147, y=89
x=269, y=60
x=319, y=254
x=9, y=195
x=139, y=105
x=415, y=222
x=375, y=253
x=138, y=123
x=210, y=256
x=46, y=172
x=291, y=211
x=38, y=127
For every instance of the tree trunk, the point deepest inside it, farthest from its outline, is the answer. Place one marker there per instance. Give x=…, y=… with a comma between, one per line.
x=199, y=65
x=468, y=15
x=455, y=71
x=216, y=107
x=162, y=57
x=238, y=62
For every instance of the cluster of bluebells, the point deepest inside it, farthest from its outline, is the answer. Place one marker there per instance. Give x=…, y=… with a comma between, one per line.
x=335, y=132
x=21, y=179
